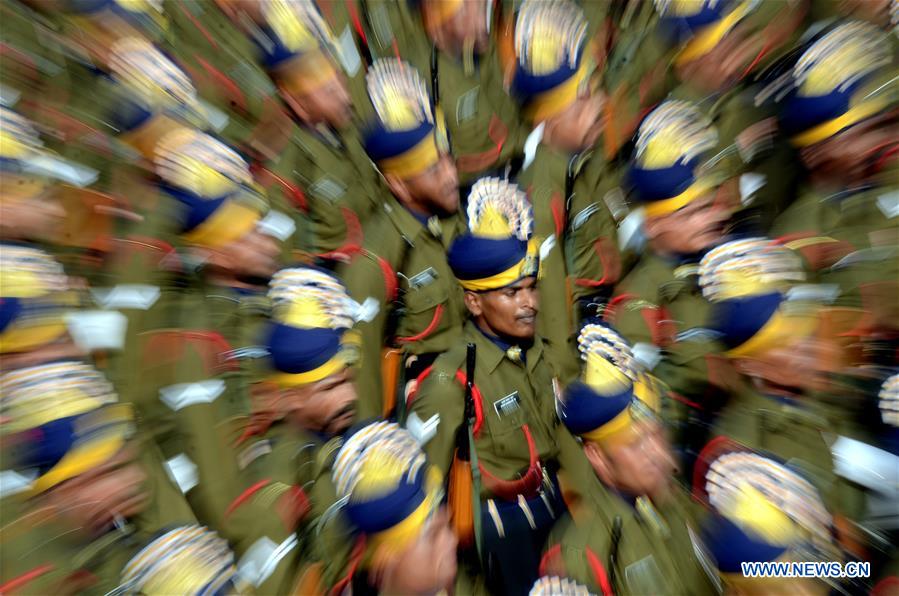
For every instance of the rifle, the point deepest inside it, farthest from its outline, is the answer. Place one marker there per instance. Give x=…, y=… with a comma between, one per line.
x=465, y=475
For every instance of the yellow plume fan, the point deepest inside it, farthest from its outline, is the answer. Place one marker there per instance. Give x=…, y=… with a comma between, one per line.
x=604, y=376
x=27, y=272
x=675, y=131
x=150, y=75
x=18, y=138
x=841, y=58
x=201, y=164
x=889, y=401
x=499, y=209
x=549, y=34
x=292, y=286
x=399, y=94
x=305, y=313
x=602, y=341
x=752, y=511
x=381, y=473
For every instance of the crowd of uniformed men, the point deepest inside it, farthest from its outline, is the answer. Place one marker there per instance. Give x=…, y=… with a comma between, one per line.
x=448, y=296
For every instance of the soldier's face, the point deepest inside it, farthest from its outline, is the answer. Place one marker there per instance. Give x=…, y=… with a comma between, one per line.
x=577, y=127
x=327, y=406
x=434, y=191
x=330, y=103
x=641, y=465
x=254, y=255
x=467, y=27
x=856, y=152
x=697, y=226
x=30, y=219
x=428, y=565
x=800, y=365
x=109, y=493
x=509, y=312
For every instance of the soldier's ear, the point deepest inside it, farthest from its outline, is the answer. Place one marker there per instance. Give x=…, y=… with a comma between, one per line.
x=399, y=188
x=653, y=227
x=599, y=462
x=473, y=303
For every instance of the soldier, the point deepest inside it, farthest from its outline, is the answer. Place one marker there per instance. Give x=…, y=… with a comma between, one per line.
x=307, y=403
x=658, y=307
x=721, y=53
x=451, y=45
x=840, y=114
x=632, y=533
x=403, y=268
x=323, y=168
x=766, y=323
x=763, y=510
x=392, y=497
x=516, y=443
x=563, y=174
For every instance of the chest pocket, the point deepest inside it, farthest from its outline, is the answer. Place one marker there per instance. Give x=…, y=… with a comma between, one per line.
x=505, y=416
x=424, y=304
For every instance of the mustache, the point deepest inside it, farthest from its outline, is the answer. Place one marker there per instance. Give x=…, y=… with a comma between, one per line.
x=347, y=409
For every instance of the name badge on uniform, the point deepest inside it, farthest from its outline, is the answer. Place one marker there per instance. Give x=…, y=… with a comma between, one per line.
x=507, y=405
x=467, y=105
x=348, y=55
x=423, y=278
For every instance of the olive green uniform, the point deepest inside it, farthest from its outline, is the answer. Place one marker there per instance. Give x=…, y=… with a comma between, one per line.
x=403, y=269
x=573, y=198
x=789, y=428
x=514, y=394
x=657, y=550
x=660, y=310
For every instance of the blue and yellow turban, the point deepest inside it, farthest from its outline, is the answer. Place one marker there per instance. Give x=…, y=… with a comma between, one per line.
x=835, y=84
x=34, y=298
x=213, y=185
x=297, y=44
x=390, y=488
x=147, y=15
x=764, y=510
x=613, y=392
x=403, y=139
x=187, y=560
x=65, y=419
x=553, y=67
x=748, y=282
x=498, y=249
x=700, y=25
x=310, y=338
x=665, y=171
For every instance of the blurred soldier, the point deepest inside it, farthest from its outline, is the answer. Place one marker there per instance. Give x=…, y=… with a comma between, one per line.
x=763, y=510
x=766, y=322
x=323, y=168
x=450, y=43
x=510, y=427
x=392, y=498
x=403, y=268
x=658, y=307
x=721, y=52
x=841, y=115
x=632, y=532
x=69, y=442
x=309, y=401
x=569, y=183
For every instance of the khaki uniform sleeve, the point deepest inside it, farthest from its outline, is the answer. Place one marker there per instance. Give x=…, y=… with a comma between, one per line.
x=440, y=402
x=365, y=278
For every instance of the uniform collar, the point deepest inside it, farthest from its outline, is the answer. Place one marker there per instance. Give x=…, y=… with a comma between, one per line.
x=492, y=350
